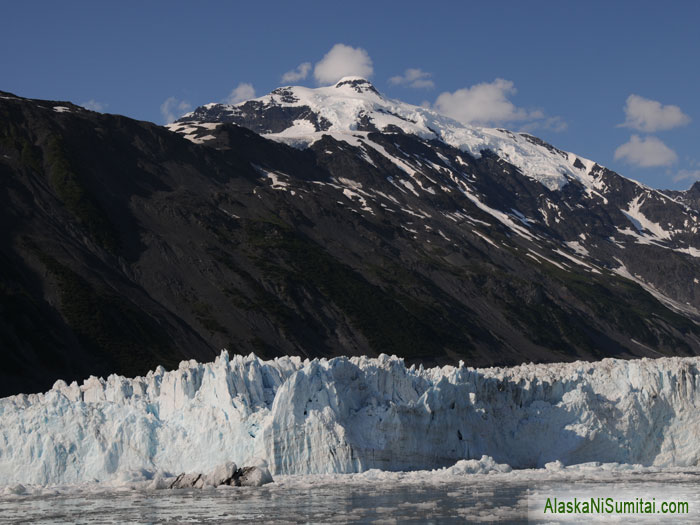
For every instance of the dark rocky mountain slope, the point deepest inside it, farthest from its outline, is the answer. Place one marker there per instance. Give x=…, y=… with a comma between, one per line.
x=126, y=245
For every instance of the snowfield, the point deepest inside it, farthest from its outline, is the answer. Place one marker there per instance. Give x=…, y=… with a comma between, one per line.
x=348, y=415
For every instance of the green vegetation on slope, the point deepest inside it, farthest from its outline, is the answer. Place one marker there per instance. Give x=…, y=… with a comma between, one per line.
x=75, y=196
x=390, y=323
x=114, y=330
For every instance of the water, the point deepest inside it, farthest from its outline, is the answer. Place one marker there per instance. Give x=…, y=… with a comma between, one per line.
x=337, y=503
x=498, y=498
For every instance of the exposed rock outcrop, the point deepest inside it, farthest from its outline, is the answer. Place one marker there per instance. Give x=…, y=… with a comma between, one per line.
x=226, y=474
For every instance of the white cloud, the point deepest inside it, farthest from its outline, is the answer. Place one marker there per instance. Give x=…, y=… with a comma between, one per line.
x=342, y=61
x=687, y=175
x=295, y=75
x=414, y=78
x=648, y=152
x=242, y=92
x=172, y=109
x=93, y=105
x=555, y=124
x=485, y=103
x=649, y=116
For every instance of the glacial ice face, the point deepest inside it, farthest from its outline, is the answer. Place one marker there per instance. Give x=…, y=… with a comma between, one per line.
x=350, y=415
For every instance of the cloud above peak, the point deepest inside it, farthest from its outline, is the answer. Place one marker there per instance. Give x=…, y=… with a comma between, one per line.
x=693, y=175
x=242, y=92
x=485, y=103
x=93, y=105
x=295, y=75
x=414, y=78
x=648, y=152
x=649, y=116
x=342, y=61
x=173, y=108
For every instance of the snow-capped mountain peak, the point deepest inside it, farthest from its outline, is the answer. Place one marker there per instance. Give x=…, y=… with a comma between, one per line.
x=357, y=84
x=352, y=108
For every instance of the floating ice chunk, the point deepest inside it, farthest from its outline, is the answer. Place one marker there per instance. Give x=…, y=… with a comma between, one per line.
x=254, y=477
x=16, y=489
x=220, y=474
x=485, y=465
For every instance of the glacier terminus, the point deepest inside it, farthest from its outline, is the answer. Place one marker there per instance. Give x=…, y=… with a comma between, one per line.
x=349, y=415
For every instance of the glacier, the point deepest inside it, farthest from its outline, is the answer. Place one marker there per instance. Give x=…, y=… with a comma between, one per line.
x=351, y=415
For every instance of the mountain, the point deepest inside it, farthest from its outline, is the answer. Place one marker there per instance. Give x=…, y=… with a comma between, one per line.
x=324, y=222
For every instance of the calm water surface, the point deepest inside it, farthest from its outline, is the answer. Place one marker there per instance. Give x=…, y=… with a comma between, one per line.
x=375, y=502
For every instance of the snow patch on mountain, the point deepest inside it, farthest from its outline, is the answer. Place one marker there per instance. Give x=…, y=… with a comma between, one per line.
x=275, y=178
x=642, y=223
x=683, y=309
x=693, y=252
x=577, y=247
x=578, y=261
x=502, y=217
x=351, y=415
x=196, y=133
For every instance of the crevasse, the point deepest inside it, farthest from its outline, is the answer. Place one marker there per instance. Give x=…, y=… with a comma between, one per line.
x=352, y=414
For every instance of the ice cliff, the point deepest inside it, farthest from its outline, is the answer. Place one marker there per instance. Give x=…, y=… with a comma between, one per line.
x=350, y=415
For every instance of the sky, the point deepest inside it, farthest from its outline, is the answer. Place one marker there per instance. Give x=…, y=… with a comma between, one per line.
x=615, y=82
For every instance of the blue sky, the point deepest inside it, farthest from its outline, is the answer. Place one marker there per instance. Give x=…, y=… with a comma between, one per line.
x=616, y=82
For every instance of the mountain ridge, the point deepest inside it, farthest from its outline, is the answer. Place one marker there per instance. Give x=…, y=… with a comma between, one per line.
x=128, y=246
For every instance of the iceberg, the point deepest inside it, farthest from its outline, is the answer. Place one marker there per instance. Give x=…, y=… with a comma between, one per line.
x=352, y=415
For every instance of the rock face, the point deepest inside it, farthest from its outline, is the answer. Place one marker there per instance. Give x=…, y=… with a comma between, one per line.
x=184, y=481
x=226, y=474
x=388, y=228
